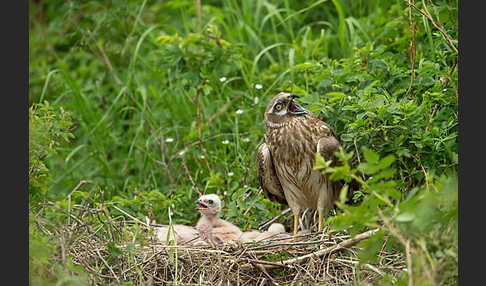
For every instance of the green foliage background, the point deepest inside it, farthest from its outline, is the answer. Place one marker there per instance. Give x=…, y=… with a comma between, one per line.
x=119, y=89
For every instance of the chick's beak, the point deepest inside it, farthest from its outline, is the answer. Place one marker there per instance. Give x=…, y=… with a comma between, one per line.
x=201, y=205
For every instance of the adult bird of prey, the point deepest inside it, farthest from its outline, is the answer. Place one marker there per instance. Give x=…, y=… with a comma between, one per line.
x=285, y=161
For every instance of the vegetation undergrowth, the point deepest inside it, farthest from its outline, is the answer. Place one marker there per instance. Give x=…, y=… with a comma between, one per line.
x=148, y=103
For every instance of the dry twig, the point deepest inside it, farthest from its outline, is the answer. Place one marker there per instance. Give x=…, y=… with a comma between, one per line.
x=155, y=261
x=428, y=16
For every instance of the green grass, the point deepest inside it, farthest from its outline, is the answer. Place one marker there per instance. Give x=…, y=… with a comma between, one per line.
x=130, y=73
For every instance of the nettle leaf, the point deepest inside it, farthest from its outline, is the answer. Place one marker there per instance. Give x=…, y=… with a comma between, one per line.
x=333, y=96
x=344, y=157
x=320, y=163
x=387, y=161
x=346, y=137
x=340, y=173
x=403, y=152
x=367, y=168
x=350, y=108
x=370, y=156
x=385, y=174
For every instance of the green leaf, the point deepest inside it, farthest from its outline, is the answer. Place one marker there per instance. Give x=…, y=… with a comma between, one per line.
x=370, y=156
x=387, y=161
x=333, y=96
x=343, y=195
x=320, y=162
x=371, y=248
x=367, y=168
x=405, y=217
x=113, y=249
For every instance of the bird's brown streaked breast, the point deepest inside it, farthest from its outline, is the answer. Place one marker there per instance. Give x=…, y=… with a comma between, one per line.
x=296, y=142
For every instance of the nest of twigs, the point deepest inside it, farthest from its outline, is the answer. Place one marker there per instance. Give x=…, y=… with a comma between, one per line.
x=111, y=254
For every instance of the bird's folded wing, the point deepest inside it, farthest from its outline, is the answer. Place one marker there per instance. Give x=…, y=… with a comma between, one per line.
x=326, y=146
x=267, y=176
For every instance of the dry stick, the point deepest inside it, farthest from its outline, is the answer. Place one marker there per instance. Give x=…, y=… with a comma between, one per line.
x=103, y=208
x=435, y=25
x=297, y=236
x=289, y=243
x=438, y=27
x=262, y=269
x=82, y=182
x=412, y=44
x=262, y=226
x=107, y=265
x=130, y=216
x=371, y=267
x=343, y=244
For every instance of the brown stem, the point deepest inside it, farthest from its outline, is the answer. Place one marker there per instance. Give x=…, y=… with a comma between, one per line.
x=449, y=41
x=198, y=10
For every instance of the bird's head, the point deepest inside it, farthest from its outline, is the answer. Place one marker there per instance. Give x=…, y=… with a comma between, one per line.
x=209, y=205
x=283, y=108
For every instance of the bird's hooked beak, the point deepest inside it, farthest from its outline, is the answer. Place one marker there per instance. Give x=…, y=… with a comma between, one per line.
x=201, y=205
x=293, y=107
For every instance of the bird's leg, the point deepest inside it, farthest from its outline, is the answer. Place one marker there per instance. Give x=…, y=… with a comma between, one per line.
x=296, y=226
x=321, y=218
x=295, y=211
x=323, y=214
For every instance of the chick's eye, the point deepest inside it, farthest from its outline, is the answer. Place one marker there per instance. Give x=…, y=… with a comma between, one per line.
x=278, y=107
x=210, y=202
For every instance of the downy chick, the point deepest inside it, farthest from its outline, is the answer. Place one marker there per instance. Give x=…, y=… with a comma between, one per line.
x=275, y=230
x=181, y=233
x=211, y=228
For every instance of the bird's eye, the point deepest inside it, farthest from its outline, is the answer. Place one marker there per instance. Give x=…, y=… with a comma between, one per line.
x=278, y=107
x=210, y=202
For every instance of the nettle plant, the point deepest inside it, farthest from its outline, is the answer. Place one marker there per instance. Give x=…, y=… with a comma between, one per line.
x=49, y=130
x=421, y=223
x=366, y=100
